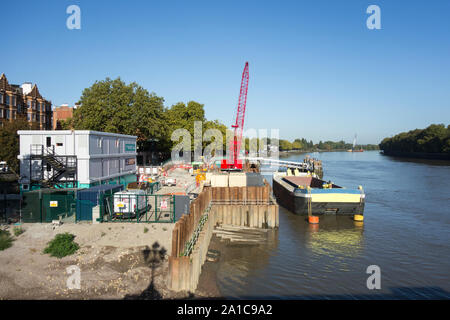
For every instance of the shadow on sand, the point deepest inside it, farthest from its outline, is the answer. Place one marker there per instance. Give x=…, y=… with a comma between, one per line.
x=153, y=258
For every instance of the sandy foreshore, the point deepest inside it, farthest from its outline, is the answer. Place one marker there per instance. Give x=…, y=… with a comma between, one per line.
x=111, y=259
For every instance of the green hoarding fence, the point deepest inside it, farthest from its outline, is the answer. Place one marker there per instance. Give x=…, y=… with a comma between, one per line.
x=46, y=205
x=138, y=208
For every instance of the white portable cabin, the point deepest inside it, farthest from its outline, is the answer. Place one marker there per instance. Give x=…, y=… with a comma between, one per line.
x=102, y=157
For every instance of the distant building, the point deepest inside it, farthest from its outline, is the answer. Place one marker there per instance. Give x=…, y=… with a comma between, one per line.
x=24, y=100
x=63, y=112
x=99, y=158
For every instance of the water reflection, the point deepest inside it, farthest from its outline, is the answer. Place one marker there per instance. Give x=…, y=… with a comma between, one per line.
x=337, y=236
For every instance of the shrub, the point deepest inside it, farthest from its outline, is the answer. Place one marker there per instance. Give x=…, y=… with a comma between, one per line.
x=62, y=245
x=145, y=230
x=5, y=240
x=18, y=231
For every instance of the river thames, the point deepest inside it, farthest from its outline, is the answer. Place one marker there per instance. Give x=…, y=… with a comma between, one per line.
x=406, y=233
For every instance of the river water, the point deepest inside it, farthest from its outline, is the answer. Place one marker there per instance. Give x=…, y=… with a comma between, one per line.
x=406, y=232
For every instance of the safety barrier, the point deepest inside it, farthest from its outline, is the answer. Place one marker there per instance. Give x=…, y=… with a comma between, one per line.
x=139, y=208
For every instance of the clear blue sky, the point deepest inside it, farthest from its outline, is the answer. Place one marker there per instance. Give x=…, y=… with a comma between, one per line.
x=316, y=71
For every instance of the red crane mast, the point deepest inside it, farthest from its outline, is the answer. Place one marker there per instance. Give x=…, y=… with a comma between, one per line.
x=233, y=163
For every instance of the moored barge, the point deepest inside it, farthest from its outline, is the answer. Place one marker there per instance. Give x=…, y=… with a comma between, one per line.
x=304, y=194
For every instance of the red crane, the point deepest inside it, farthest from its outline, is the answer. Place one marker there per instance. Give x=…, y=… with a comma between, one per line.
x=233, y=163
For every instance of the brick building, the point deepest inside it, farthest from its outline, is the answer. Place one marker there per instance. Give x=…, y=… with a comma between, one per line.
x=24, y=100
x=63, y=112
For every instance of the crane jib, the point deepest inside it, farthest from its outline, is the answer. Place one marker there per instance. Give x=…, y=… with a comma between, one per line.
x=235, y=145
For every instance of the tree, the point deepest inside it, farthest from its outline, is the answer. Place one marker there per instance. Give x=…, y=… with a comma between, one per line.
x=184, y=116
x=65, y=124
x=9, y=140
x=433, y=139
x=297, y=144
x=285, y=145
x=113, y=106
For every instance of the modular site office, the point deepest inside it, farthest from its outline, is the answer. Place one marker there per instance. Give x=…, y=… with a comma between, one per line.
x=75, y=159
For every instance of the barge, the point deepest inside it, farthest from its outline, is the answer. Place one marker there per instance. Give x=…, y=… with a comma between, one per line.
x=308, y=195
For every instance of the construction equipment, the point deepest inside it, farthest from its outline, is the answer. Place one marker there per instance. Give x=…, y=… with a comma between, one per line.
x=233, y=163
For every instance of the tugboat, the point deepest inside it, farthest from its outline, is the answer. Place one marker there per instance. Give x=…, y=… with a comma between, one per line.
x=306, y=194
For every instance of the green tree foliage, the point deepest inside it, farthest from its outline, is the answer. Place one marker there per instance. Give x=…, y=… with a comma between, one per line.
x=253, y=144
x=184, y=116
x=9, y=140
x=285, y=145
x=433, y=139
x=114, y=106
x=297, y=144
x=65, y=124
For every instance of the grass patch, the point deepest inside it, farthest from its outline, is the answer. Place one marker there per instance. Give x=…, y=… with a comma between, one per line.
x=5, y=239
x=62, y=245
x=145, y=230
x=18, y=231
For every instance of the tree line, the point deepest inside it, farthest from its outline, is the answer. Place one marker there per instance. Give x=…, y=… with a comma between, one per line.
x=433, y=139
x=305, y=145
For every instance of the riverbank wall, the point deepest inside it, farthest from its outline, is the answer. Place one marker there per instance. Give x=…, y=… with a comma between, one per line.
x=251, y=206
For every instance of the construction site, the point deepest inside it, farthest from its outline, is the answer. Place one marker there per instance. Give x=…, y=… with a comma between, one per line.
x=87, y=183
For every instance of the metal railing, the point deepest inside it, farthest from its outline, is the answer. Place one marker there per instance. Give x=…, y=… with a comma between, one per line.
x=138, y=208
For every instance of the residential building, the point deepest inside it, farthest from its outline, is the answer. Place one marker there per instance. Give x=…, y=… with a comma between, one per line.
x=63, y=112
x=24, y=100
x=100, y=157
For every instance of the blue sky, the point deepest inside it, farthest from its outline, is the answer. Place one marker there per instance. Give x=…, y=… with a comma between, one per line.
x=316, y=71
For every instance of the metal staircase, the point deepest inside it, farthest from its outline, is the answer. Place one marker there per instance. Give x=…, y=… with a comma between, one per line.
x=49, y=170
